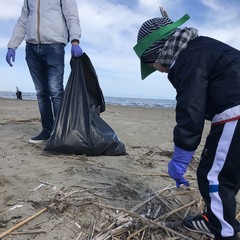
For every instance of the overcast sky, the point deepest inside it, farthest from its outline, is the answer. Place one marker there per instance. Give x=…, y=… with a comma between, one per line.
x=109, y=33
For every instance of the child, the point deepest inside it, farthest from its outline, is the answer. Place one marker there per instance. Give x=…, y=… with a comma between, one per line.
x=206, y=75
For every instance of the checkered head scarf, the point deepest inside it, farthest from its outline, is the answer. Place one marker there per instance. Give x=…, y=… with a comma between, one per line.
x=165, y=51
x=151, y=54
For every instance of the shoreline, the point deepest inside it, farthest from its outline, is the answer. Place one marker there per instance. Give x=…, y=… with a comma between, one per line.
x=122, y=101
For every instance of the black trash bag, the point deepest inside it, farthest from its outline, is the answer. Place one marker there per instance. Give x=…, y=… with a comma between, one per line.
x=78, y=128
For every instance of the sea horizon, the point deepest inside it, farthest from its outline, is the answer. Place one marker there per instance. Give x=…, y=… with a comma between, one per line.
x=121, y=101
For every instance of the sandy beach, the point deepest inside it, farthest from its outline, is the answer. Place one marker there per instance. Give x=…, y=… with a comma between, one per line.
x=59, y=196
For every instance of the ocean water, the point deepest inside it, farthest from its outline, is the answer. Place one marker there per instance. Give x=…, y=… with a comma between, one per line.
x=122, y=101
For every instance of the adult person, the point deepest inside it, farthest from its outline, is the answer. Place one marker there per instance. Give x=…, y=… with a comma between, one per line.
x=18, y=94
x=206, y=75
x=47, y=26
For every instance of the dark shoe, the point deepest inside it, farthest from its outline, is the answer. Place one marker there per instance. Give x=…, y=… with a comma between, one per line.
x=43, y=136
x=198, y=224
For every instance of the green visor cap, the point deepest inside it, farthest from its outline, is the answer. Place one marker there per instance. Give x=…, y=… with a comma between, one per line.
x=147, y=41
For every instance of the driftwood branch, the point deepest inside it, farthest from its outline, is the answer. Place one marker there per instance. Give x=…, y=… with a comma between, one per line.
x=25, y=221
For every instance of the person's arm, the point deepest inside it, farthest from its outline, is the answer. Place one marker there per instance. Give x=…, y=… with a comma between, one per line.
x=191, y=85
x=19, y=32
x=71, y=15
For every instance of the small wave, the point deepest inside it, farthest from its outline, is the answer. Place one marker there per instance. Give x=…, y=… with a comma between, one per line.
x=121, y=101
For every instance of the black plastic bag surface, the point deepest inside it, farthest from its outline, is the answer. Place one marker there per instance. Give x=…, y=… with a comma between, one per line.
x=79, y=129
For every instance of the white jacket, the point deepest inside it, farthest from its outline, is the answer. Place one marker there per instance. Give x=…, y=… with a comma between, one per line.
x=46, y=22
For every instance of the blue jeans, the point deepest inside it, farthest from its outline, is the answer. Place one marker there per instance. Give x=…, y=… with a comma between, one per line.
x=46, y=66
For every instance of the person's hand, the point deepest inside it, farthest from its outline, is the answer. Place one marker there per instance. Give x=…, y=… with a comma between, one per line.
x=178, y=165
x=10, y=56
x=76, y=50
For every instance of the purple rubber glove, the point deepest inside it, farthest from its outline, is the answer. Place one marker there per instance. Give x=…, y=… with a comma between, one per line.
x=178, y=165
x=10, y=56
x=76, y=51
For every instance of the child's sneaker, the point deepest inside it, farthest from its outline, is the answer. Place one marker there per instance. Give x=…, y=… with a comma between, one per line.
x=198, y=224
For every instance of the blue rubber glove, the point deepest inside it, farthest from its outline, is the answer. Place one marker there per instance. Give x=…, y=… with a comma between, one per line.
x=76, y=51
x=10, y=56
x=178, y=165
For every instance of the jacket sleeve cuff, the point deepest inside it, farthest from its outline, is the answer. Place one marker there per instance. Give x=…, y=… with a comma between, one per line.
x=75, y=40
